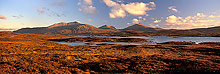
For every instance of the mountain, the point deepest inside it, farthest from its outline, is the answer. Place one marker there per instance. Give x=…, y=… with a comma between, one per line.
x=141, y=27
x=107, y=27
x=72, y=28
x=208, y=30
x=212, y=31
x=76, y=28
x=37, y=30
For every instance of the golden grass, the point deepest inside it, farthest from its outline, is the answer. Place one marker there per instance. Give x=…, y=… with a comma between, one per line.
x=33, y=53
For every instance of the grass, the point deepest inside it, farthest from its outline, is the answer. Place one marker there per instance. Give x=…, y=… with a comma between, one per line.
x=34, y=53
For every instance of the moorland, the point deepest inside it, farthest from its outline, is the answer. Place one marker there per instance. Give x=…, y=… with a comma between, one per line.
x=36, y=53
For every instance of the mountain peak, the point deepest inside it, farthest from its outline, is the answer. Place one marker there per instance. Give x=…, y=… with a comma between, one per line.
x=139, y=24
x=141, y=27
x=72, y=28
x=107, y=27
x=64, y=24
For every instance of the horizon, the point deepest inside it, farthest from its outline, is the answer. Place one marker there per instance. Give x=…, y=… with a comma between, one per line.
x=166, y=14
x=3, y=29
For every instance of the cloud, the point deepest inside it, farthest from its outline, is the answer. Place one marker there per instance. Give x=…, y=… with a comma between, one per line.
x=89, y=20
x=157, y=21
x=121, y=10
x=6, y=29
x=201, y=15
x=172, y=19
x=173, y=8
x=59, y=3
x=40, y=10
x=117, y=13
x=18, y=16
x=189, y=22
x=136, y=21
x=138, y=8
x=3, y=17
x=89, y=10
x=212, y=16
x=86, y=6
x=50, y=13
x=119, y=1
x=89, y=2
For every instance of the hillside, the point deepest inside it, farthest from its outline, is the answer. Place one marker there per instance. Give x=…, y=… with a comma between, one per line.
x=76, y=28
x=141, y=27
x=107, y=27
x=208, y=30
x=72, y=28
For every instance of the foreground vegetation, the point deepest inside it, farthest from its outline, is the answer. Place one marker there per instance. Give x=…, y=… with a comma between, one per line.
x=34, y=53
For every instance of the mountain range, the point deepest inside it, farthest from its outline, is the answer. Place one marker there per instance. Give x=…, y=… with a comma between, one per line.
x=72, y=28
x=76, y=28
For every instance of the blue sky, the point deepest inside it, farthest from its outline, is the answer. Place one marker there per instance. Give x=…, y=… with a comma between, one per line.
x=175, y=14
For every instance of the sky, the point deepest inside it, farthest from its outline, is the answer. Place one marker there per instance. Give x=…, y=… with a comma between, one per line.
x=168, y=14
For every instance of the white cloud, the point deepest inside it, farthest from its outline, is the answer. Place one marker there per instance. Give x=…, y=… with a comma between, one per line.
x=117, y=13
x=212, y=16
x=140, y=17
x=87, y=7
x=89, y=2
x=135, y=21
x=189, y=22
x=137, y=8
x=2, y=17
x=111, y=3
x=157, y=21
x=144, y=19
x=201, y=15
x=172, y=19
x=138, y=20
x=173, y=8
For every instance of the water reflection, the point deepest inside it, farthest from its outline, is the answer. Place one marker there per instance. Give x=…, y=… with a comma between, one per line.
x=155, y=39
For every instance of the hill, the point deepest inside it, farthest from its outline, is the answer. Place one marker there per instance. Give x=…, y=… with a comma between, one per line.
x=141, y=27
x=107, y=27
x=208, y=30
x=72, y=28
x=76, y=28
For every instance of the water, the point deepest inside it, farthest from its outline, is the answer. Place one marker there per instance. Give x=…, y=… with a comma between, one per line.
x=155, y=39
x=121, y=43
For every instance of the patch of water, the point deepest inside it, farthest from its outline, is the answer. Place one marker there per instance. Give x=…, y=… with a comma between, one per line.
x=155, y=39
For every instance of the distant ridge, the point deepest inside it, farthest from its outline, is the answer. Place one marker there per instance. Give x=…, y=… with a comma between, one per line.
x=107, y=27
x=76, y=28
x=63, y=24
x=208, y=30
x=72, y=28
x=141, y=27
